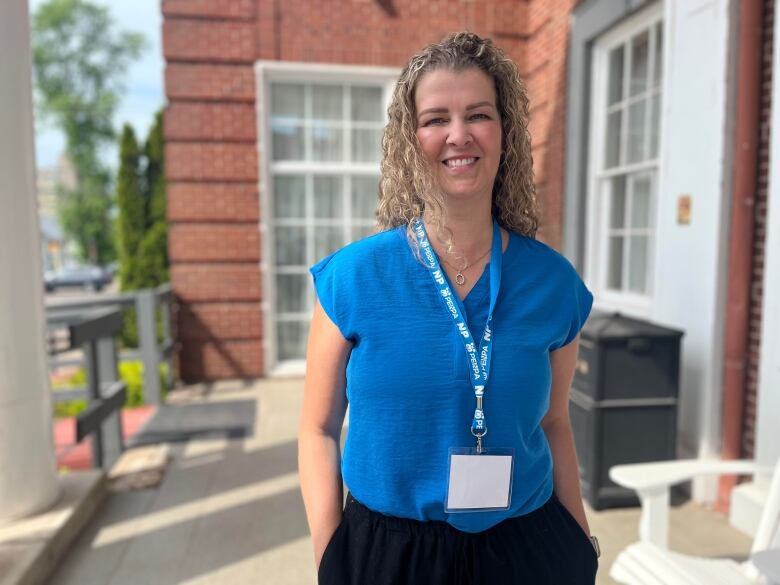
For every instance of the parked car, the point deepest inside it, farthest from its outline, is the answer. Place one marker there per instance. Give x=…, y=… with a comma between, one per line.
x=84, y=276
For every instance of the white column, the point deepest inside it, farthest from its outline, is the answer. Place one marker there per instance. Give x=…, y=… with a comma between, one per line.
x=28, y=478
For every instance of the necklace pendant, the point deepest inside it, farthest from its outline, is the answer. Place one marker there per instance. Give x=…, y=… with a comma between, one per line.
x=460, y=279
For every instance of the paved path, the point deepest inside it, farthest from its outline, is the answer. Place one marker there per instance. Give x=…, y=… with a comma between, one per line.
x=230, y=511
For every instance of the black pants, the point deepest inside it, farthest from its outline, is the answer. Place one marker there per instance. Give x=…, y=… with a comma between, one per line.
x=545, y=547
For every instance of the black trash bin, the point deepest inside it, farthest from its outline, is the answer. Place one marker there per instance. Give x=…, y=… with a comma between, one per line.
x=623, y=404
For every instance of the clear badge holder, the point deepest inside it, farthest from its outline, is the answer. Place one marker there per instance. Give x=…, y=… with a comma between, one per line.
x=479, y=482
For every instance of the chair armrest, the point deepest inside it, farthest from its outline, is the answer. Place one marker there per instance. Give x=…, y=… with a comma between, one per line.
x=653, y=480
x=663, y=474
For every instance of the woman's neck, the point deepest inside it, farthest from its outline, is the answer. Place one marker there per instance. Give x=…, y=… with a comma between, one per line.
x=472, y=230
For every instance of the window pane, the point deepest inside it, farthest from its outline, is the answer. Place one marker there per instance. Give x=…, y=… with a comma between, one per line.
x=287, y=142
x=291, y=339
x=618, y=207
x=639, y=57
x=327, y=102
x=659, y=49
x=636, y=131
x=612, y=154
x=637, y=268
x=327, y=240
x=615, y=272
x=290, y=243
x=289, y=197
x=328, y=197
x=327, y=143
x=640, y=202
x=367, y=104
x=365, y=197
x=287, y=101
x=615, y=93
x=361, y=231
x=291, y=293
x=366, y=145
x=655, y=124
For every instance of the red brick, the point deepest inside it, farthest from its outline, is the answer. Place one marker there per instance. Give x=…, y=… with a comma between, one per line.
x=209, y=121
x=205, y=40
x=210, y=162
x=228, y=9
x=223, y=321
x=228, y=83
x=215, y=360
x=216, y=282
x=213, y=242
x=213, y=202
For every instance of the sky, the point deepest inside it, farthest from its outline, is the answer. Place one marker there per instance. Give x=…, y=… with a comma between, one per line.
x=143, y=80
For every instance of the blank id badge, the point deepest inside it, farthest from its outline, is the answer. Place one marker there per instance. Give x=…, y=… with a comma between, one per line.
x=479, y=482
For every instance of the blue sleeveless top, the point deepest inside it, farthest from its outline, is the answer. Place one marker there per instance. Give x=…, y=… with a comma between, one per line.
x=408, y=387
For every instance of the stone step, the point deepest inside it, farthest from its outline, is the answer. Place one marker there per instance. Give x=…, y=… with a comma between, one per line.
x=140, y=468
x=31, y=548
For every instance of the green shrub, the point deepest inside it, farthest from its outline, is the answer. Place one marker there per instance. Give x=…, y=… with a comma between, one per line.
x=69, y=409
x=132, y=372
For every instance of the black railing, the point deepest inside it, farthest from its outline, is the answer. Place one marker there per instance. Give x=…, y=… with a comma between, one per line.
x=94, y=333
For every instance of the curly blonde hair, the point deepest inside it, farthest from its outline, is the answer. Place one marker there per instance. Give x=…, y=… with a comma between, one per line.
x=407, y=186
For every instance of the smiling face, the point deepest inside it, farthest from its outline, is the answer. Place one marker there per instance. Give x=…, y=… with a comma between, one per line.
x=459, y=130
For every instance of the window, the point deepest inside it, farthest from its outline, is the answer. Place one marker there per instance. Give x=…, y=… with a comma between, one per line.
x=627, y=89
x=321, y=176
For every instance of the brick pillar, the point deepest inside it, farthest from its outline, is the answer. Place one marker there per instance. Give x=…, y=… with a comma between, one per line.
x=211, y=168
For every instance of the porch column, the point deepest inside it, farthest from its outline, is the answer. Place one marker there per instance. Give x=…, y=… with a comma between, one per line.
x=28, y=478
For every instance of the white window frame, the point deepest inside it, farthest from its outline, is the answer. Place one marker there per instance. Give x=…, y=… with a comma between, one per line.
x=266, y=73
x=596, y=257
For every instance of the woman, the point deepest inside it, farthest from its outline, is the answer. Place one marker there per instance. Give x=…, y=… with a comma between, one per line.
x=450, y=322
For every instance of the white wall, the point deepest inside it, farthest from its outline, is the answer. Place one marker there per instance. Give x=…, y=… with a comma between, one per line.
x=690, y=268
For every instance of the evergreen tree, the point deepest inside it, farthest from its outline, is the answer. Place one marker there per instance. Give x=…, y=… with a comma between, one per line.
x=153, y=252
x=142, y=229
x=132, y=203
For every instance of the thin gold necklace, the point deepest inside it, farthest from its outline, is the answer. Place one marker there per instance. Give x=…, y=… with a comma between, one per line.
x=460, y=280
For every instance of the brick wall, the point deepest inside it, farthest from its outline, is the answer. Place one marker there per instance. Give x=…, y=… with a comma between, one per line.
x=210, y=128
x=211, y=167
x=759, y=236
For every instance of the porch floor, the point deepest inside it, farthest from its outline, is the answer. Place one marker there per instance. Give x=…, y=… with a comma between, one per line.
x=229, y=510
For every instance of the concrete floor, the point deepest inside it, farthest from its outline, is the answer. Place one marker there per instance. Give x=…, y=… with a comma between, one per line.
x=230, y=511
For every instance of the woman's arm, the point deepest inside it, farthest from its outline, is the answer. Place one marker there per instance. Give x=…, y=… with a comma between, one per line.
x=319, y=433
x=557, y=427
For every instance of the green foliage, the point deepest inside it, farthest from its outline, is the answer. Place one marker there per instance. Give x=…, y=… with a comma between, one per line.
x=79, y=60
x=69, y=409
x=142, y=229
x=84, y=214
x=132, y=372
x=77, y=379
x=128, y=335
x=133, y=375
x=132, y=203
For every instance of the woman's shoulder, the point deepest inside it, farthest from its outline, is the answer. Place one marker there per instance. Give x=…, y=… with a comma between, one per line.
x=538, y=255
x=383, y=244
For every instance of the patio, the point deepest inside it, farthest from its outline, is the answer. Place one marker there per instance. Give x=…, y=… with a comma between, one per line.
x=229, y=509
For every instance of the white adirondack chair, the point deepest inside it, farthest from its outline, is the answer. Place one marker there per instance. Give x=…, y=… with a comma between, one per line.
x=650, y=562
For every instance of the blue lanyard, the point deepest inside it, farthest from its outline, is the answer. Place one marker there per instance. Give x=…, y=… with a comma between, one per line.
x=479, y=363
